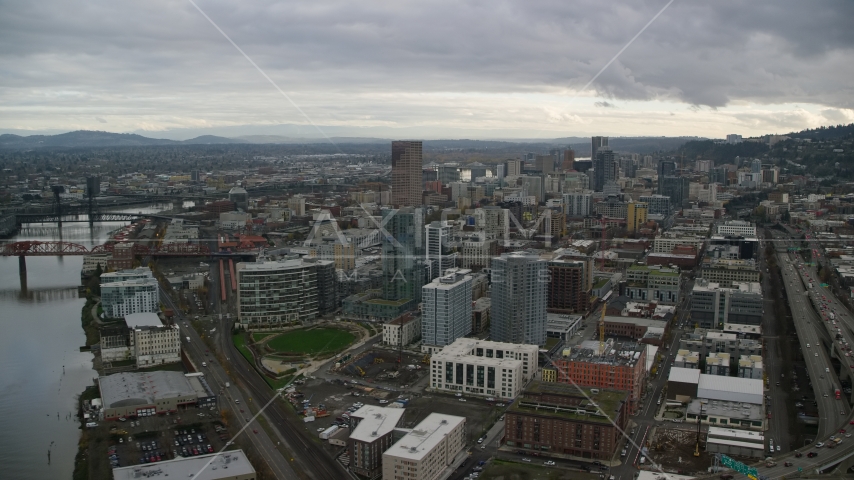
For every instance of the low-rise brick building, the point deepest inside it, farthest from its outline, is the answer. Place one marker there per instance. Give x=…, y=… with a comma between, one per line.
x=567, y=420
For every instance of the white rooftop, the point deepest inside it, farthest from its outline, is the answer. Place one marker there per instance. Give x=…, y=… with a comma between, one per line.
x=749, y=386
x=747, y=435
x=645, y=475
x=143, y=319
x=214, y=466
x=425, y=436
x=685, y=375
x=376, y=422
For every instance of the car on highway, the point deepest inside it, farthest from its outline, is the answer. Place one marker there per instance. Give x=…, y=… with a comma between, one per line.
x=812, y=455
x=798, y=454
x=526, y=460
x=549, y=463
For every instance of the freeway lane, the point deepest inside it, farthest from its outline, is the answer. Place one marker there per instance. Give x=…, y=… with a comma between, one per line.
x=216, y=377
x=306, y=452
x=817, y=360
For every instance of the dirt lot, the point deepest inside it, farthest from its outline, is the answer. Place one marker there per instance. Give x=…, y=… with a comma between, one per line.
x=379, y=366
x=673, y=449
x=153, y=437
x=500, y=470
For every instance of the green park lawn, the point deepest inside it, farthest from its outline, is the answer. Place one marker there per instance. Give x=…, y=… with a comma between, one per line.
x=312, y=342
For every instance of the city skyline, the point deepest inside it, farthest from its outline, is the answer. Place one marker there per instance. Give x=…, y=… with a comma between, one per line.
x=697, y=69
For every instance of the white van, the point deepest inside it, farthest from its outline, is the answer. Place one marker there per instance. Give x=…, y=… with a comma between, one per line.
x=91, y=424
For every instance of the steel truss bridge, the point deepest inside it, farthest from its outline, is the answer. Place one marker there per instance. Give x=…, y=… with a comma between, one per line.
x=49, y=249
x=24, y=218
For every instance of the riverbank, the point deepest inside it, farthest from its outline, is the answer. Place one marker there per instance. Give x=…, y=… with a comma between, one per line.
x=82, y=465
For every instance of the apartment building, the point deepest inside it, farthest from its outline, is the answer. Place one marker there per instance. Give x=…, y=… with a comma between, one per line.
x=666, y=243
x=658, y=204
x=570, y=282
x=446, y=309
x=621, y=367
x=493, y=221
x=712, y=306
x=477, y=251
x=578, y=204
x=653, y=283
x=554, y=418
x=425, y=452
x=725, y=272
x=155, y=344
x=124, y=297
x=372, y=429
x=402, y=331
x=737, y=228
x=519, y=298
x=704, y=341
x=273, y=293
x=483, y=368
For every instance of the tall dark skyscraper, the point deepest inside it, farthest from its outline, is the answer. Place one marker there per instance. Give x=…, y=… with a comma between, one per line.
x=605, y=169
x=595, y=144
x=406, y=165
x=403, y=254
x=568, y=160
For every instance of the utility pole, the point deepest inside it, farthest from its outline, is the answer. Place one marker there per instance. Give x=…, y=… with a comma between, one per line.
x=699, y=419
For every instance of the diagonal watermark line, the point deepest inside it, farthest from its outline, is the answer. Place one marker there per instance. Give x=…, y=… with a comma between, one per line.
x=615, y=57
x=630, y=440
x=264, y=74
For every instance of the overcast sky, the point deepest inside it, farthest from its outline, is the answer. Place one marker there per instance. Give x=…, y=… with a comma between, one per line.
x=429, y=69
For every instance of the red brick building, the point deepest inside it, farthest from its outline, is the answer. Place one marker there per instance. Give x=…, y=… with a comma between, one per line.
x=557, y=418
x=621, y=368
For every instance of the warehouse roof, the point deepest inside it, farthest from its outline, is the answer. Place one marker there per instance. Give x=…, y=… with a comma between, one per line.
x=685, y=375
x=731, y=384
x=204, y=467
x=130, y=388
x=143, y=319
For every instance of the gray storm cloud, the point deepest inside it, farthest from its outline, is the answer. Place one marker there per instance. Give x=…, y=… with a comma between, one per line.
x=159, y=59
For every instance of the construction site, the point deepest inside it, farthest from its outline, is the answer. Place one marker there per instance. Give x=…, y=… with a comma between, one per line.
x=394, y=368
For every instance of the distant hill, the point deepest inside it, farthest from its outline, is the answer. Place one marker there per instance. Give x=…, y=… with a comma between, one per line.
x=88, y=138
x=81, y=138
x=824, y=133
x=720, y=152
x=211, y=140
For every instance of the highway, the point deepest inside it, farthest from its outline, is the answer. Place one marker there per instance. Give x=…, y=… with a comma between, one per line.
x=217, y=378
x=305, y=450
x=807, y=324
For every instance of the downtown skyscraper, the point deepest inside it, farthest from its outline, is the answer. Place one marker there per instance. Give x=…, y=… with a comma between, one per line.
x=406, y=166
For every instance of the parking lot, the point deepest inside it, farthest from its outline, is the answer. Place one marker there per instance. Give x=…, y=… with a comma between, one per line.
x=164, y=437
x=339, y=395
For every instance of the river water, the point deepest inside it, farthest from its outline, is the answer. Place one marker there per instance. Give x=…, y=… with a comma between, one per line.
x=43, y=369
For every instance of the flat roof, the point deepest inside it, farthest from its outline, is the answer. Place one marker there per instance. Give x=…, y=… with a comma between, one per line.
x=685, y=375
x=376, y=422
x=270, y=266
x=747, y=435
x=144, y=319
x=425, y=436
x=724, y=408
x=646, y=322
x=213, y=466
x=735, y=443
x=646, y=475
x=751, y=386
x=593, y=407
x=132, y=388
